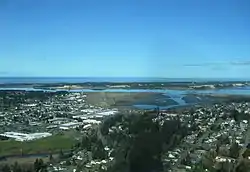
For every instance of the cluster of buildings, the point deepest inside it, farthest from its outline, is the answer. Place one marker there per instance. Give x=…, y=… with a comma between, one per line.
x=214, y=130
x=23, y=136
x=215, y=133
x=219, y=85
x=32, y=118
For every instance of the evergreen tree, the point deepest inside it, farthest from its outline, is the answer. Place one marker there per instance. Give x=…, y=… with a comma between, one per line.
x=16, y=167
x=72, y=151
x=187, y=159
x=44, y=169
x=40, y=162
x=98, y=151
x=36, y=165
x=61, y=154
x=242, y=167
x=234, y=150
x=6, y=168
x=51, y=157
x=198, y=168
x=39, y=166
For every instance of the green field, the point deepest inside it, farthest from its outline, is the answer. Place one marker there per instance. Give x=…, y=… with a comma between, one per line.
x=50, y=144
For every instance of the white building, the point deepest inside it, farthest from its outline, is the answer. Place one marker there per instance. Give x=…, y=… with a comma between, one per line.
x=25, y=137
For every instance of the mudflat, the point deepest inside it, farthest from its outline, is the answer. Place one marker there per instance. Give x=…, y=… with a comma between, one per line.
x=113, y=99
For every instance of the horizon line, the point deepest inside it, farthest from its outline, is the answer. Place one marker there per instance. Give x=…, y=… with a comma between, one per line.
x=115, y=77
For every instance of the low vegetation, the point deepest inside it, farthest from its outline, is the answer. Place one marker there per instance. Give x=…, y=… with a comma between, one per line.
x=46, y=145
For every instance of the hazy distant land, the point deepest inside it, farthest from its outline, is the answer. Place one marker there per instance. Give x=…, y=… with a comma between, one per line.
x=130, y=85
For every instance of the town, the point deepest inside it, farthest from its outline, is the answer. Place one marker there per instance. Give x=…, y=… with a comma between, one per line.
x=67, y=133
x=124, y=86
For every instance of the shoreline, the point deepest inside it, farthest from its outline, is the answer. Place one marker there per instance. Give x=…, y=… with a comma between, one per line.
x=164, y=99
x=161, y=85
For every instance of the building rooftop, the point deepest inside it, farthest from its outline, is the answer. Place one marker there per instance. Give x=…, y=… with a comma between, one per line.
x=25, y=137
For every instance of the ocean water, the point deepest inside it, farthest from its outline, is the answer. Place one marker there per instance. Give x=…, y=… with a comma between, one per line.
x=29, y=80
x=5, y=80
x=176, y=94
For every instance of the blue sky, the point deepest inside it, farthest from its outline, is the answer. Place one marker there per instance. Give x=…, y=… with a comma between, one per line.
x=125, y=38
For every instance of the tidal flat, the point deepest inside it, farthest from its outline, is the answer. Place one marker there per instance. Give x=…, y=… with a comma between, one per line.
x=118, y=99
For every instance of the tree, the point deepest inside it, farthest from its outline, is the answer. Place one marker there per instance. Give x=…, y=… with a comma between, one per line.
x=223, y=139
x=234, y=150
x=208, y=159
x=61, y=154
x=67, y=162
x=138, y=140
x=27, y=168
x=242, y=167
x=51, y=157
x=36, y=165
x=41, y=163
x=98, y=151
x=145, y=152
x=16, y=167
x=44, y=169
x=43, y=166
x=198, y=168
x=187, y=159
x=6, y=168
x=39, y=166
x=86, y=142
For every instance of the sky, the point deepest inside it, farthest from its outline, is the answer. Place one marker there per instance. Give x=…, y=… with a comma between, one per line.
x=125, y=38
